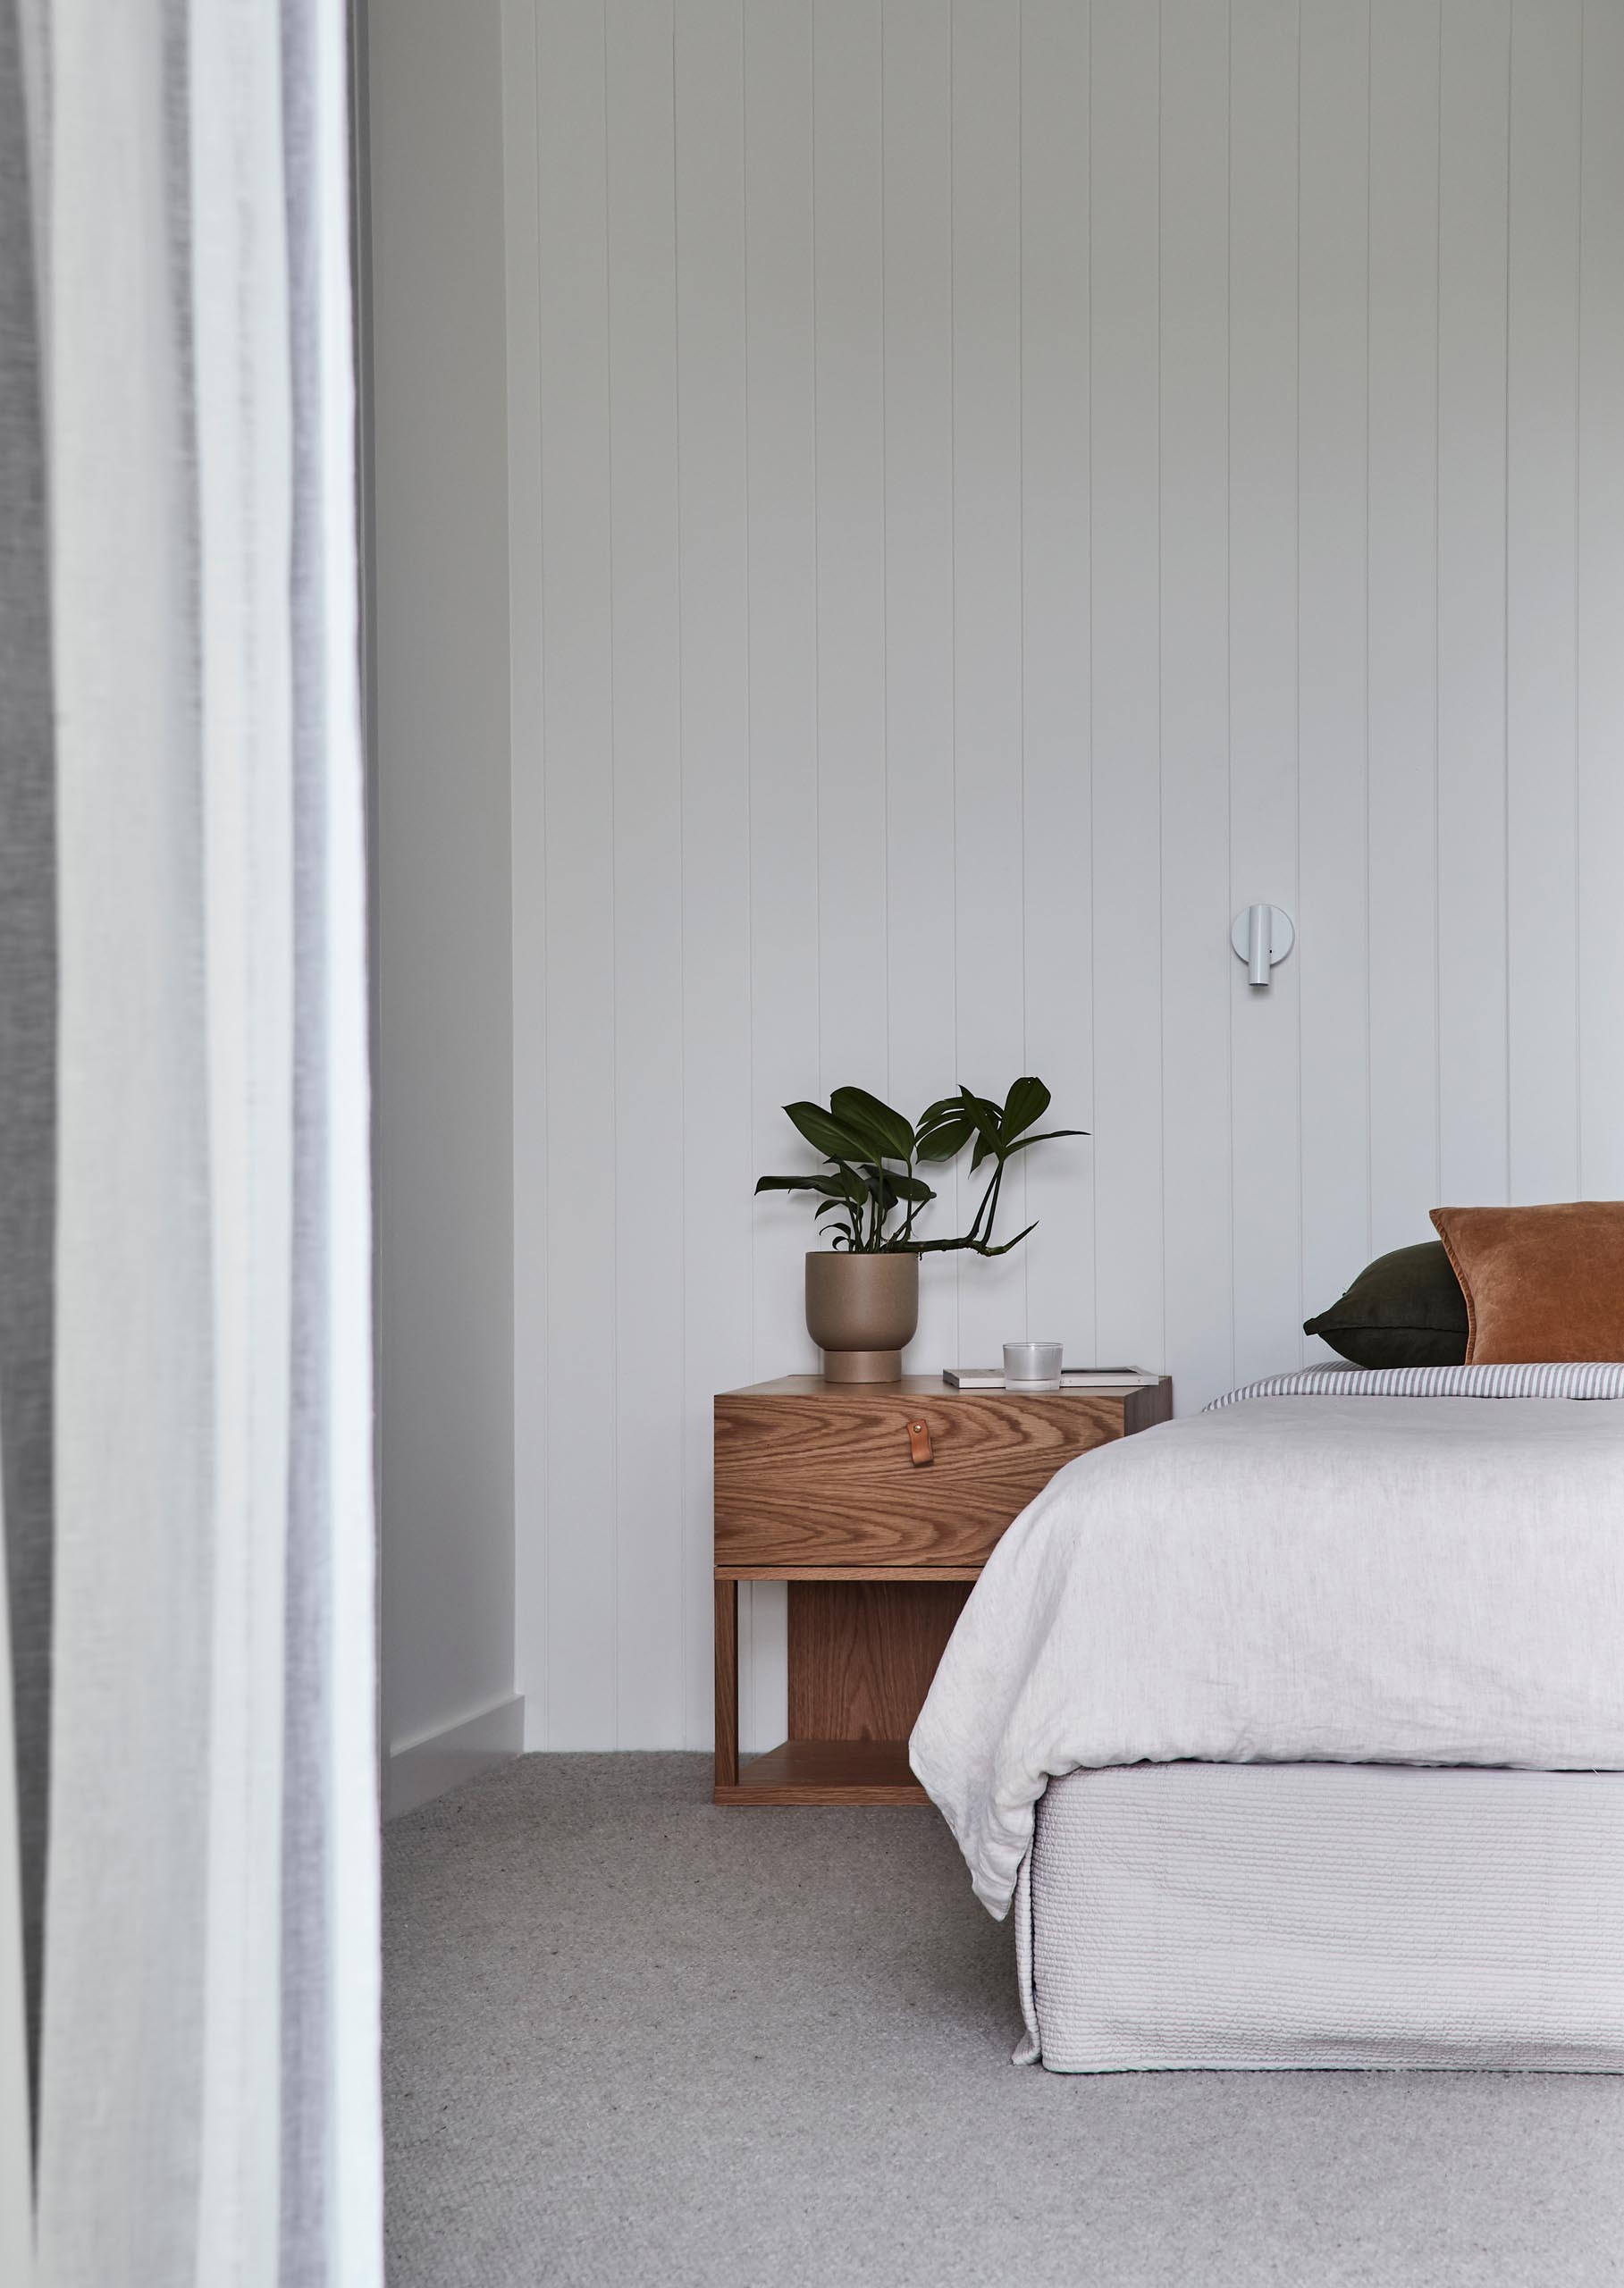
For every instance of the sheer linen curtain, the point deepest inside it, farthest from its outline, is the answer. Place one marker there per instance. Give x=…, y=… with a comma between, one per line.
x=206, y=2061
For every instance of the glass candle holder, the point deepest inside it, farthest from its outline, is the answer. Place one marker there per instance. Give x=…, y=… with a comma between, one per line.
x=1031, y=1365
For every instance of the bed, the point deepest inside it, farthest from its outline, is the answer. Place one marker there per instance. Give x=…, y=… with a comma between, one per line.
x=1293, y=1732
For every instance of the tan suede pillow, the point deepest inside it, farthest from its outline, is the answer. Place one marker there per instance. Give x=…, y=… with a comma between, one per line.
x=1539, y=1282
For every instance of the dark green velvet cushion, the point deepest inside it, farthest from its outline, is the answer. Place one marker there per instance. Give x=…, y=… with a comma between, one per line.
x=1404, y=1309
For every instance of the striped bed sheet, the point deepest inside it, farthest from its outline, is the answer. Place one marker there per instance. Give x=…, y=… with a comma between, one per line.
x=1586, y=1378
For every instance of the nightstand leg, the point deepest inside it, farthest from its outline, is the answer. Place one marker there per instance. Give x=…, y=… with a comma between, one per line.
x=727, y=1684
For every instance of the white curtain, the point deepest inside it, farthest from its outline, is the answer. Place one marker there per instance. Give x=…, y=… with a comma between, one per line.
x=16, y=2192
x=208, y=2103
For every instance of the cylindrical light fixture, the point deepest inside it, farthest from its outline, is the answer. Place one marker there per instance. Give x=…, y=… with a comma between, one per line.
x=1262, y=935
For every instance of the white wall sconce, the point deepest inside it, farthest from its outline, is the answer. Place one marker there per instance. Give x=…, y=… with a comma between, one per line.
x=1262, y=935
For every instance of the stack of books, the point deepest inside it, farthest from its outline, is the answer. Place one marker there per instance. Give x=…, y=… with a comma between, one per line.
x=1071, y=1378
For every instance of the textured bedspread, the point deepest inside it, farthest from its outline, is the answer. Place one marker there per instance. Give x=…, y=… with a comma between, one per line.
x=1356, y=1579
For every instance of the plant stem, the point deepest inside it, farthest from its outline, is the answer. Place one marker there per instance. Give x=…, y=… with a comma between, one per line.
x=990, y=1203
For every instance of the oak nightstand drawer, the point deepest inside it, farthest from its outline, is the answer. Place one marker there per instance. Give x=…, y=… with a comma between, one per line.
x=894, y=1474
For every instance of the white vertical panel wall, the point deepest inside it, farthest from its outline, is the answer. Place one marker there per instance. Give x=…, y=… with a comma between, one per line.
x=997, y=486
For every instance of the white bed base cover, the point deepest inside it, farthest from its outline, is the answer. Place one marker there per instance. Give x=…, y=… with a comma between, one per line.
x=1310, y=1916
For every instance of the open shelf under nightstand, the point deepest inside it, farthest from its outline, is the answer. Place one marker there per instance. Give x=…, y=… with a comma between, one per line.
x=827, y=1772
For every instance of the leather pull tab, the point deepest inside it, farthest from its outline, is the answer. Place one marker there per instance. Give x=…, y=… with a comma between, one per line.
x=919, y=1444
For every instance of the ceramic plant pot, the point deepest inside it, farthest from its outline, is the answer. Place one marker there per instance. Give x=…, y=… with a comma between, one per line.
x=860, y=1310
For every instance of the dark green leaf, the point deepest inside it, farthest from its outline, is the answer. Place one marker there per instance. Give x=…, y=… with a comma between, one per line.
x=1044, y=1136
x=840, y=1186
x=830, y=1136
x=980, y=1108
x=987, y=1119
x=1027, y=1101
x=860, y=1111
x=946, y=1141
x=945, y=1127
x=873, y=1145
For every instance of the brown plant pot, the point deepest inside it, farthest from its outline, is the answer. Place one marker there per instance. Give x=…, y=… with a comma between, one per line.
x=860, y=1310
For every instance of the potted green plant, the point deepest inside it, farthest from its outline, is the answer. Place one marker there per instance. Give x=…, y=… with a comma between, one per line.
x=862, y=1292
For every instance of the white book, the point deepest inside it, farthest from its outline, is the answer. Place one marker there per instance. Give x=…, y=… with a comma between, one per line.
x=1071, y=1378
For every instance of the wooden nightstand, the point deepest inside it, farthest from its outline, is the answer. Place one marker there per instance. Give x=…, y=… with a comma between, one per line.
x=878, y=1503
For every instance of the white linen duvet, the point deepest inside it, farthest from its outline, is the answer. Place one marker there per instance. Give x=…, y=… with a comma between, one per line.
x=1359, y=1579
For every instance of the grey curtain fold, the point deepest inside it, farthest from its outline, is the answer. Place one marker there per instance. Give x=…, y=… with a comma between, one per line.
x=28, y=1004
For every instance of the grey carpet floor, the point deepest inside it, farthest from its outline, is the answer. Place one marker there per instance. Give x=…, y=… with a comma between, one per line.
x=630, y=2038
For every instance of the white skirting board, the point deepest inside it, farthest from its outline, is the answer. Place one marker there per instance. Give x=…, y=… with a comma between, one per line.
x=422, y=1767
